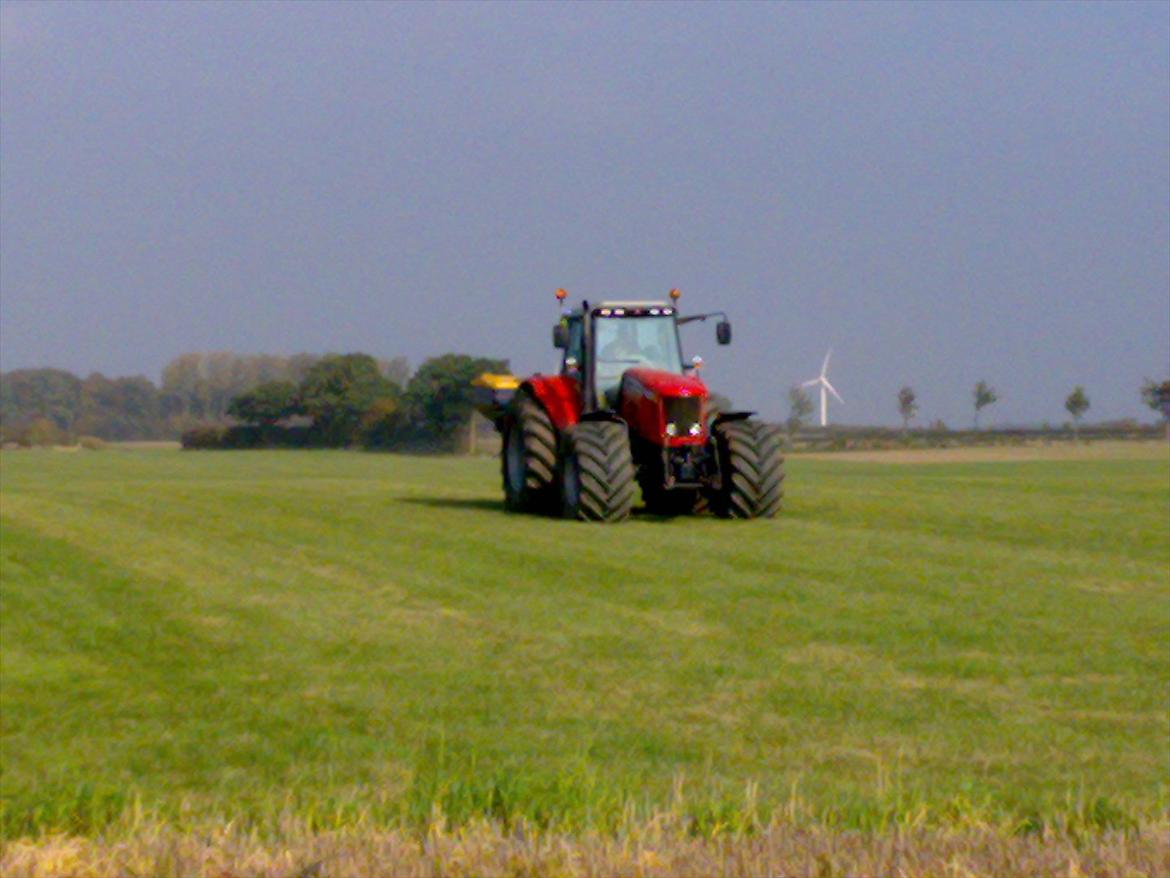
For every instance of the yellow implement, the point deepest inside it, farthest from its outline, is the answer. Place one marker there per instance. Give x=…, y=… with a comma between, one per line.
x=492, y=394
x=495, y=381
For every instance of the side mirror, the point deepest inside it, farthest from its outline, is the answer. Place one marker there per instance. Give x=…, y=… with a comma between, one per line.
x=723, y=332
x=561, y=336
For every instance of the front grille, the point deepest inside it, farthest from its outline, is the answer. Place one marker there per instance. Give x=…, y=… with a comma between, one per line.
x=684, y=412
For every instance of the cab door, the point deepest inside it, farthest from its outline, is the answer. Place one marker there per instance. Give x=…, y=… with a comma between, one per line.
x=574, y=359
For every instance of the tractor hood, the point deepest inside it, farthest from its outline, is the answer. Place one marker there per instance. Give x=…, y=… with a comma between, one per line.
x=663, y=385
x=664, y=408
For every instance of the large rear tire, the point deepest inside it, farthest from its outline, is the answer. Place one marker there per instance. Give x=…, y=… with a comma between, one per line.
x=529, y=458
x=751, y=465
x=597, y=472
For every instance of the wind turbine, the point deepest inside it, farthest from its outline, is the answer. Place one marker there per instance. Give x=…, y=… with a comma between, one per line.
x=826, y=388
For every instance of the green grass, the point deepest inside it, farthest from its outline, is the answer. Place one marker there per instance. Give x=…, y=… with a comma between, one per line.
x=352, y=637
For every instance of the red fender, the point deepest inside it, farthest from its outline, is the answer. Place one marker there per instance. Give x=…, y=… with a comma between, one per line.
x=560, y=395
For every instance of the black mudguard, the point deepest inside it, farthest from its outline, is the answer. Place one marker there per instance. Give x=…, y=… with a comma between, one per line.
x=722, y=417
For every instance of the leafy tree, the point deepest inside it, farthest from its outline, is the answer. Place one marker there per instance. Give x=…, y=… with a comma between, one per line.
x=200, y=386
x=907, y=406
x=119, y=408
x=183, y=392
x=265, y=404
x=338, y=390
x=1157, y=396
x=1077, y=404
x=984, y=396
x=28, y=395
x=382, y=423
x=440, y=395
x=44, y=433
x=266, y=368
x=225, y=375
x=297, y=367
x=800, y=406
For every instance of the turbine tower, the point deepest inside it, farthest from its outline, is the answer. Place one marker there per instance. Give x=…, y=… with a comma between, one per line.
x=826, y=388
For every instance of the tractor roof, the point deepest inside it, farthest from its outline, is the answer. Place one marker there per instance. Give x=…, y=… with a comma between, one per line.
x=632, y=305
x=626, y=309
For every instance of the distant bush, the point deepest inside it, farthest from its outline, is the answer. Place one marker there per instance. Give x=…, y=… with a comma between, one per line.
x=202, y=438
x=242, y=437
x=91, y=443
x=14, y=437
x=43, y=433
x=299, y=437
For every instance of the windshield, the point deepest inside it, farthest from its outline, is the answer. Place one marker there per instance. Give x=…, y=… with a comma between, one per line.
x=624, y=342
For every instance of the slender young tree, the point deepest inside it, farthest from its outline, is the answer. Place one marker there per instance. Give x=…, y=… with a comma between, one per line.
x=800, y=406
x=1077, y=404
x=907, y=406
x=984, y=396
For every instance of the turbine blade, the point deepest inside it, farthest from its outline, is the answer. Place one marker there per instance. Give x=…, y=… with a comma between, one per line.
x=825, y=365
x=811, y=383
x=833, y=390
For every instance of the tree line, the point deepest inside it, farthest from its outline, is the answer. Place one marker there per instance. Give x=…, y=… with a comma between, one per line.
x=1155, y=394
x=347, y=400
x=330, y=400
x=221, y=398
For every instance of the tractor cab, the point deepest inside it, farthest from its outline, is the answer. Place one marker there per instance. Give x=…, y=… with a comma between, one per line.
x=603, y=342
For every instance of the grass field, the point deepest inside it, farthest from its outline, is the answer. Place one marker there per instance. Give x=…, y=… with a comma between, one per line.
x=348, y=639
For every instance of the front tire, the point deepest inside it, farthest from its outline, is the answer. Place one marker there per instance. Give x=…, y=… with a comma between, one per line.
x=597, y=472
x=529, y=458
x=751, y=466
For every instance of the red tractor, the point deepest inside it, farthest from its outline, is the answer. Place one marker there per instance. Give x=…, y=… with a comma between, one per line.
x=625, y=413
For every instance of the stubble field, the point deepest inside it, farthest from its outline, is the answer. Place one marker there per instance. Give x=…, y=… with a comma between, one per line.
x=285, y=650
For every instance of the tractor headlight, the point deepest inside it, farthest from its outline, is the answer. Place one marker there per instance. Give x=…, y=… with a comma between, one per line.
x=672, y=429
x=696, y=429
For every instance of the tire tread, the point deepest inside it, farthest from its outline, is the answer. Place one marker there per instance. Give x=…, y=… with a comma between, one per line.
x=605, y=468
x=751, y=458
x=540, y=457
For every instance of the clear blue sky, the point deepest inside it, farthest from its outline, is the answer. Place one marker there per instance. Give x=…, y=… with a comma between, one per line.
x=941, y=193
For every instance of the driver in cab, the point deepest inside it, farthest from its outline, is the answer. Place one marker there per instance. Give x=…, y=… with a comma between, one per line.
x=623, y=346
x=618, y=350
